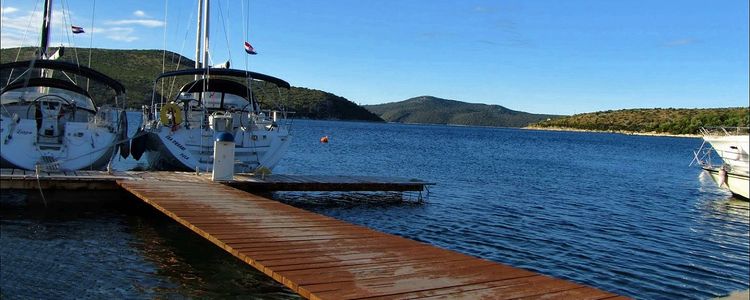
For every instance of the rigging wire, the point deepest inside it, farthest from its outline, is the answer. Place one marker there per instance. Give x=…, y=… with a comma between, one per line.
x=182, y=47
x=164, y=51
x=224, y=25
x=67, y=23
x=91, y=41
x=246, y=28
x=23, y=40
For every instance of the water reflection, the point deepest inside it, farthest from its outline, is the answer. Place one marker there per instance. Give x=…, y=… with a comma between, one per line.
x=122, y=250
x=198, y=267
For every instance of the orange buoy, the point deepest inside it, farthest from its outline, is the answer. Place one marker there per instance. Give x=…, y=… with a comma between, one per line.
x=324, y=139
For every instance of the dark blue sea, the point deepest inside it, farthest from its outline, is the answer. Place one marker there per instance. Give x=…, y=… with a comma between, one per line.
x=623, y=213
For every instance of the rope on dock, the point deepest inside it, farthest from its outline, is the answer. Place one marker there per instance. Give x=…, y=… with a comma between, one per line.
x=39, y=184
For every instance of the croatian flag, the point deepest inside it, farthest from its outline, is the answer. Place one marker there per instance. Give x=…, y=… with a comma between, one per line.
x=77, y=29
x=249, y=49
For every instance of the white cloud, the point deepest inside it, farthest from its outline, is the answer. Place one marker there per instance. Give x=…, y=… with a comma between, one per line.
x=9, y=10
x=139, y=13
x=21, y=28
x=120, y=34
x=11, y=40
x=141, y=22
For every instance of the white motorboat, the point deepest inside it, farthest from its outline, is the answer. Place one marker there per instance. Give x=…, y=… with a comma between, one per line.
x=49, y=122
x=732, y=146
x=179, y=130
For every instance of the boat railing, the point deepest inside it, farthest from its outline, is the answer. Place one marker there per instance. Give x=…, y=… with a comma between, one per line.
x=724, y=131
x=280, y=117
x=734, y=159
x=702, y=156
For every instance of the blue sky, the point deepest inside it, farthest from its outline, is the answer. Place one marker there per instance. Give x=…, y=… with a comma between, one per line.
x=560, y=57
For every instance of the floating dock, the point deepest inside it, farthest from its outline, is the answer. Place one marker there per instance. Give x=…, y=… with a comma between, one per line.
x=321, y=257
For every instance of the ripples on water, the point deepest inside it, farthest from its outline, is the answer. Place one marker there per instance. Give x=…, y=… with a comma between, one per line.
x=119, y=251
x=622, y=213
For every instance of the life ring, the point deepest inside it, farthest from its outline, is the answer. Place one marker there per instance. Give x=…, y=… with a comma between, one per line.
x=174, y=110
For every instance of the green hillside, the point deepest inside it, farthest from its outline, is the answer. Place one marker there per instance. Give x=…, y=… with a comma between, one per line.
x=432, y=110
x=658, y=120
x=137, y=69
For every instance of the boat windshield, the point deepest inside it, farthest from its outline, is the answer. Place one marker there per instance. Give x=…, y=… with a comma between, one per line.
x=27, y=94
x=219, y=100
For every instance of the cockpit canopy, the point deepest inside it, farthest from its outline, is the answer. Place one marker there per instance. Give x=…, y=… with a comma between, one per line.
x=37, y=87
x=221, y=94
x=220, y=89
x=36, y=78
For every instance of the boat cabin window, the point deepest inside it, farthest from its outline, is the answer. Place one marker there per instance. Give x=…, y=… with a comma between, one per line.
x=219, y=101
x=27, y=94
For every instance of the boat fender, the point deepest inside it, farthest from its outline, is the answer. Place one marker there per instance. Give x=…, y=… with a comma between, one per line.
x=138, y=144
x=123, y=135
x=170, y=114
x=722, y=176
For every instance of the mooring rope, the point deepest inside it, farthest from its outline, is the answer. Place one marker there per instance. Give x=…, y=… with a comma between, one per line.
x=39, y=184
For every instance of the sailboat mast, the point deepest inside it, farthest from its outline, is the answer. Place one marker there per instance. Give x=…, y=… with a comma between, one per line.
x=45, y=29
x=198, y=37
x=206, y=14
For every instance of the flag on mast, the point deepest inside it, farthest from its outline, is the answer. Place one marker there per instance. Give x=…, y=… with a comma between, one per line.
x=249, y=49
x=76, y=29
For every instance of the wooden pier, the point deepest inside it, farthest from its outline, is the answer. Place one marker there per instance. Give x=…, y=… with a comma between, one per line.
x=101, y=180
x=321, y=257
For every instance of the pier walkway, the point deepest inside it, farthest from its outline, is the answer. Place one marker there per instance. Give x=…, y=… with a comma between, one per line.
x=324, y=258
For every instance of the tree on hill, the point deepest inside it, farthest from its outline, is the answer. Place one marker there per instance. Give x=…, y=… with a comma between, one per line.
x=433, y=110
x=659, y=120
x=137, y=69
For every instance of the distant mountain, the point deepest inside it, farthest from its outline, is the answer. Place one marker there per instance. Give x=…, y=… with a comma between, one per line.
x=137, y=69
x=657, y=120
x=432, y=110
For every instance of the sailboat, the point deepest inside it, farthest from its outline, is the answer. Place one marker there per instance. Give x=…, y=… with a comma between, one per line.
x=179, y=129
x=49, y=122
x=731, y=144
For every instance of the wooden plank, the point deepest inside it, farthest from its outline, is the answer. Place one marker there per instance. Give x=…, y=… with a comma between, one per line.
x=323, y=258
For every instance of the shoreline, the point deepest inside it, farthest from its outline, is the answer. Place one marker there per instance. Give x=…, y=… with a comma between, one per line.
x=614, y=131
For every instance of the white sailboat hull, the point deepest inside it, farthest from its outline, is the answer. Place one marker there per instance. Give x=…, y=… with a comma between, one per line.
x=192, y=149
x=82, y=146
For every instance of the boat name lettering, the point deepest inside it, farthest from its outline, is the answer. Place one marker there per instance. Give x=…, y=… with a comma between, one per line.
x=23, y=132
x=176, y=143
